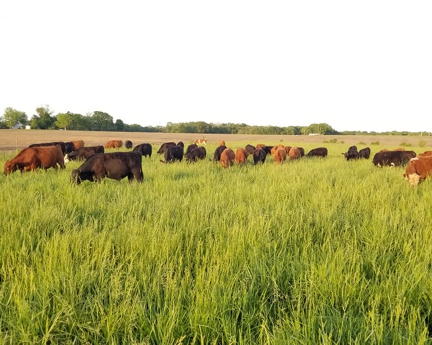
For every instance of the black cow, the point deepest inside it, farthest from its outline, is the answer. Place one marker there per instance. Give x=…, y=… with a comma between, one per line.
x=318, y=152
x=364, y=153
x=69, y=147
x=190, y=148
x=83, y=153
x=115, y=165
x=259, y=156
x=145, y=149
x=392, y=158
x=352, y=153
x=54, y=143
x=128, y=144
x=164, y=147
x=249, y=149
x=301, y=149
x=173, y=153
x=196, y=153
x=218, y=152
x=267, y=149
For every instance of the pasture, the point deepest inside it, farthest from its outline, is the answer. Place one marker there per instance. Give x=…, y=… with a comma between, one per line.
x=314, y=251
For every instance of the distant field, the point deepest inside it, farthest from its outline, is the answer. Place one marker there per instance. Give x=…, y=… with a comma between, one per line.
x=314, y=251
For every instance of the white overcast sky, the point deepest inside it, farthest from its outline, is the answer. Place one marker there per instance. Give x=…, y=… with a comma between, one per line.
x=355, y=65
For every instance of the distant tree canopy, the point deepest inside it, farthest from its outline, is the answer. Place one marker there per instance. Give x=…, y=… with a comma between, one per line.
x=101, y=121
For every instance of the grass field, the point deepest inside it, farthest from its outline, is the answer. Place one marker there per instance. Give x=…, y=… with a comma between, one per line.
x=316, y=251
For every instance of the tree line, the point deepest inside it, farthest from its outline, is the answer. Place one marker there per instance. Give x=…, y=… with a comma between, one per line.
x=101, y=121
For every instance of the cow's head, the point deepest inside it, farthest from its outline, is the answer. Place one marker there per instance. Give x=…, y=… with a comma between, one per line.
x=9, y=168
x=75, y=176
x=413, y=179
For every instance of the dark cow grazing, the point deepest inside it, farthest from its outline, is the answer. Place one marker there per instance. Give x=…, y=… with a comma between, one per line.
x=32, y=158
x=294, y=153
x=180, y=143
x=249, y=149
x=241, y=156
x=301, y=149
x=218, y=152
x=392, y=158
x=364, y=153
x=164, y=147
x=196, y=154
x=128, y=144
x=69, y=147
x=318, y=152
x=53, y=143
x=83, y=153
x=267, y=149
x=418, y=169
x=145, y=149
x=117, y=166
x=190, y=148
x=352, y=153
x=77, y=144
x=114, y=144
x=259, y=156
x=260, y=146
x=227, y=158
x=173, y=153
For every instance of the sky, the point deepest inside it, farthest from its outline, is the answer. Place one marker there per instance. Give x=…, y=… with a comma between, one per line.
x=355, y=65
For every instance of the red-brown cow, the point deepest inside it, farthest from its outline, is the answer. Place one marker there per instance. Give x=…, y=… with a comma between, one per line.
x=78, y=144
x=114, y=144
x=221, y=143
x=32, y=158
x=425, y=154
x=294, y=153
x=227, y=158
x=201, y=141
x=241, y=156
x=280, y=155
x=418, y=169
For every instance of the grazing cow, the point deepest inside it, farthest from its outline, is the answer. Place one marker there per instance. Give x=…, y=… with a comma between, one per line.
x=364, y=153
x=267, y=149
x=294, y=153
x=425, y=154
x=260, y=146
x=259, y=156
x=399, y=149
x=145, y=149
x=352, y=153
x=280, y=155
x=383, y=150
x=221, y=143
x=249, y=149
x=273, y=150
x=83, y=153
x=114, y=144
x=287, y=148
x=77, y=144
x=418, y=169
x=69, y=147
x=189, y=149
x=392, y=158
x=173, y=153
x=218, y=152
x=128, y=144
x=196, y=154
x=180, y=143
x=117, y=166
x=164, y=147
x=318, y=152
x=32, y=158
x=201, y=141
x=227, y=157
x=241, y=155
x=301, y=149
x=53, y=143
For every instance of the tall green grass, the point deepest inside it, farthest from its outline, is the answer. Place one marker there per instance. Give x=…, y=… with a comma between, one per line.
x=313, y=251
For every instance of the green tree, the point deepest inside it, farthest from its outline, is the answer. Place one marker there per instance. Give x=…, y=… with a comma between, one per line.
x=64, y=120
x=102, y=121
x=43, y=119
x=119, y=125
x=13, y=117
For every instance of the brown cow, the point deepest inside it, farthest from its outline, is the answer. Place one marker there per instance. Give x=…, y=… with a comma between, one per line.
x=31, y=158
x=227, y=158
x=399, y=149
x=418, y=169
x=78, y=144
x=260, y=146
x=280, y=155
x=273, y=150
x=241, y=155
x=425, y=154
x=294, y=153
x=288, y=148
x=201, y=141
x=114, y=144
x=221, y=143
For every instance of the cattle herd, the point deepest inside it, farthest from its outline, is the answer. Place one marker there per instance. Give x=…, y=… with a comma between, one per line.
x=118, y=165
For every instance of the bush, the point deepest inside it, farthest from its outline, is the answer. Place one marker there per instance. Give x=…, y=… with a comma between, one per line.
x=361, y=143
x=375, y=143
x=404, y=144
x=422, y=143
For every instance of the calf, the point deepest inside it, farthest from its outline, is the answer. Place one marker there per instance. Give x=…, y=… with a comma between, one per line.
x=83, y=153
x=364, y=153
x=418, y=169
x=117, y=166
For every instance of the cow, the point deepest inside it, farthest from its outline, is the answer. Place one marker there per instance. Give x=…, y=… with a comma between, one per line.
x=241, y=155
x=260, y=146
x=69, y=147
x=352, y=153
x=267, y=149
x=128, y=144
x=392, y=158
x=302, y=152
x=218, y=152
x=189, y=149
x=287, y=148
x=77, y=144
x=227, y=158
x=53, y=143
x=280, y=155
x=418, y=169
x=259, y=156
x=83, y=153
x=249, y=149
x=173, y=153
x=425, y=154
x=145, y=149
x=318, y=152
x=201, y=141
x=294, y=153
x=164, y=147
x=399, y=149
x=364, y=153
x=221, y=143
x=32, y=158
x=197, y=153
x=114, y=144
x=273, y=150
x=115, y=165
